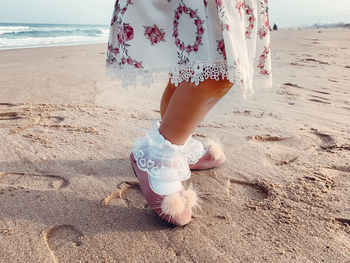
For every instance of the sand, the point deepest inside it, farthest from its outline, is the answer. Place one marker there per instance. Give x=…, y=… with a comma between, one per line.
x=68, y=194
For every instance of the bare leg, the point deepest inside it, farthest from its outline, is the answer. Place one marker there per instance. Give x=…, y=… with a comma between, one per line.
x=167, y=94
x=188, y=105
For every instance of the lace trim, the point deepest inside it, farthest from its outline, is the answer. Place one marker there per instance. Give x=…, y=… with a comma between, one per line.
x=193, y=150
x=193, y=72
x=160, y=158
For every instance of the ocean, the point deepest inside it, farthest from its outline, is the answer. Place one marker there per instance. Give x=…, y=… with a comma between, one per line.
x=16, y=35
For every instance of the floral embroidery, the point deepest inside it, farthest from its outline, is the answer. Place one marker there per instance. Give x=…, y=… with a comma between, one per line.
x=262, y=61
x=183, y=9
x=224, y=25
x=221, y=47
x=205, y=3
x=218, y=2
x=251, y=19
x=265, y=28
x=241, y=5
x=124, y=33
x=154, y=34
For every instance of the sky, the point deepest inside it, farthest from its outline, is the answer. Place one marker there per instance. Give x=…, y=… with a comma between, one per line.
x=286, y=13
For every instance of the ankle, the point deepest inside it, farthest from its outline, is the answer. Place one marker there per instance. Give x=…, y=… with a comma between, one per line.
x=173, y=136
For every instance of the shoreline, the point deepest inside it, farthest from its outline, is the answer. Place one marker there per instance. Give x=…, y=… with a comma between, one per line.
x=58, y=45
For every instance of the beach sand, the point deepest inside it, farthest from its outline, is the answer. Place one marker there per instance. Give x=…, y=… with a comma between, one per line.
x=68, y=193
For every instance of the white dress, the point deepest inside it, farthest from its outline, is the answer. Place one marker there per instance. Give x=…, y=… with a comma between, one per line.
x=152, y=41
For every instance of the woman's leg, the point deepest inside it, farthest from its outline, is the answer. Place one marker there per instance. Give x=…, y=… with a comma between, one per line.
x=188, y=105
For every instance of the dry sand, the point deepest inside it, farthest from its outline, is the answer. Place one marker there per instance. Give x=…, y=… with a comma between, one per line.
x=67, y=191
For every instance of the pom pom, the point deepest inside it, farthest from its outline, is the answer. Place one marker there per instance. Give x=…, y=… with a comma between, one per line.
x=215, y=149
x=191, y=197
x=173, y=204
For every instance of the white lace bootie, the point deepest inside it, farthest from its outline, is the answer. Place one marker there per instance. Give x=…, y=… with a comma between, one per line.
x=161, y=167
x=201, y=157
x=211, y=154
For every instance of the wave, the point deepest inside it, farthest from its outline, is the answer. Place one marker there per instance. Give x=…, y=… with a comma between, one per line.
x=36, y=35
x=330, y=25
x=8, y=29
x=48, y=41
x=51, y=33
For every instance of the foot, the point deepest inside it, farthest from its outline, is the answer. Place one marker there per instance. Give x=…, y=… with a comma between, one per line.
x=175, y=208
x=160, y=167
x=213, y=157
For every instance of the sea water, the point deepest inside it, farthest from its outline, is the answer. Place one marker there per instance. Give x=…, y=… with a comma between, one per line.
x=15, y=35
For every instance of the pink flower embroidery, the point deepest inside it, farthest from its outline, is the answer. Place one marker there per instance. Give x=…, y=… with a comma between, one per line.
x=249, y=11
x=180, y=10
x=182, y=47
x=218, y=2
x=245, y=10
x=129, y=32
x=198, y=22
x=154, y=34
x=262, y=61
x=265, y=28
x=225, y=27
x=205, y=3
x=125, y=32
x=262, y=33
x=241, y=5
x=221, y=48
x=200, y=31
x=113, y=50
x=137, y=65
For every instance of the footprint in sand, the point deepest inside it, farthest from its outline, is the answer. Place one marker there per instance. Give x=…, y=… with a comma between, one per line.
x=319, y=101
x=321, y=92
x=60, y=240
x=33, y=181
x=8, y=104
x=130, y=193
x=292, y=85
x=56, y=119
x=245, y=191
x=266, y=138
x=345, y=169
x=343, y=234
x=280, y=160
x=4, y=116
x=315, y=60
x=328, y=141
x=344, y=221
x=256, y=115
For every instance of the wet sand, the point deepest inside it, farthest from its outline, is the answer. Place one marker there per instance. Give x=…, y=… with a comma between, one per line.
x=68, y=194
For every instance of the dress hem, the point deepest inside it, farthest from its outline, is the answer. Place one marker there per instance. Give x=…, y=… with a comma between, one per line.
x=194, y=73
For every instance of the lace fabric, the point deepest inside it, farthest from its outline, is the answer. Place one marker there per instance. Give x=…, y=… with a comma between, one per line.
x=163, y=160
x=193, y=150
x=193, y=72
